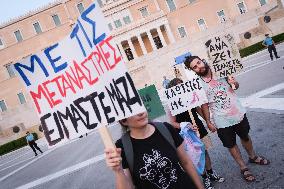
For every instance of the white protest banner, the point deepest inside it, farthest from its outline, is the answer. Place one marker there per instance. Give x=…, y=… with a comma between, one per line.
x=185, y=96
x=80, y=82
x=224, y=56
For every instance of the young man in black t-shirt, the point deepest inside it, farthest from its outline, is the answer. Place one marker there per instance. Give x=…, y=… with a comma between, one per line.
x=157, y=164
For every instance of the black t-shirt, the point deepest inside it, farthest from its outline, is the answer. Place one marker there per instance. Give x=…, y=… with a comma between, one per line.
x=156, y=164
x=184, y=117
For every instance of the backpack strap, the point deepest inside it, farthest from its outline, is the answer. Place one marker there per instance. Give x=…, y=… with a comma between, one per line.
x=128, y=148
x=162, y=128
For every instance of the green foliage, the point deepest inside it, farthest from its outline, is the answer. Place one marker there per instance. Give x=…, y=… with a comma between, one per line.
x=251, y=49
x=15, y=144
x=278, y=38
x=258, y=46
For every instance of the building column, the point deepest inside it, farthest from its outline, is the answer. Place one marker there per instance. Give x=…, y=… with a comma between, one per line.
x=282, y=2
x=124, y=57
x=151, y=40
x=157, y=5
x=142, y=44
x=169, y=32
x=161, y=36
x=132, y=48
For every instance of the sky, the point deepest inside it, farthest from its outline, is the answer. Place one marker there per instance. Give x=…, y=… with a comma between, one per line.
x=14, y=8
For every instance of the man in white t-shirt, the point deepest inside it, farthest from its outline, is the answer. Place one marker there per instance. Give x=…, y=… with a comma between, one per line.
x=228, y=115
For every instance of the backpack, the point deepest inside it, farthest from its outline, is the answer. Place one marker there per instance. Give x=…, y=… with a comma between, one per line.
x=128, y=148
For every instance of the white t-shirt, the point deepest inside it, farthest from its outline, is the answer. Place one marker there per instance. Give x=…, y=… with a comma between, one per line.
x=224, y=105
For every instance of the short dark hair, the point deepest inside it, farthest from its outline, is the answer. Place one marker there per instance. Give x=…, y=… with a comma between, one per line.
x=189, y=59
x=27, y=132
x=174, y=82
x=266, y=34
x=124, y=128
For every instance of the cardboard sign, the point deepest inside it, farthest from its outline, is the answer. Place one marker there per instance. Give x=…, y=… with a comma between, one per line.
x=152, y=102
x=80, y=82
x=185, y=96
x=180, y=59
x=224, y=56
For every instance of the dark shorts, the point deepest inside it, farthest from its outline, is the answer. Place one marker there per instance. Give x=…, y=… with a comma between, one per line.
x=228, y=135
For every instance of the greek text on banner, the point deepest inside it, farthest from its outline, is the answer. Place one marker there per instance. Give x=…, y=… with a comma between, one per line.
x=185, y=96
x=224, y=56
x=80, y=82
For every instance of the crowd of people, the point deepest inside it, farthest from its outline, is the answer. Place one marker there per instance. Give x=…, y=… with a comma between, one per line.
x=152, y=159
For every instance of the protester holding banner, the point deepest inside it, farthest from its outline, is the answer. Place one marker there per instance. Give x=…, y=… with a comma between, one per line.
x=156, y=163
x=208, y=174
x=228, y=115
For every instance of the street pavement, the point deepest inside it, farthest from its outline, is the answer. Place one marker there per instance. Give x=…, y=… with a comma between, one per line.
x=80, y=164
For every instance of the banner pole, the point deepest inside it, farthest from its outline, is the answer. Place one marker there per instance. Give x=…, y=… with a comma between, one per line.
x=106, y=136
x=193, y=122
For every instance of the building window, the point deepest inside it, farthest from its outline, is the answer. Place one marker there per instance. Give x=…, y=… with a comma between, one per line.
x=202, y=24
x=37, y=28
x=126, y=20
x=158, y=42
x=22, y=98
x=182, y=32
x=242, y=7
x=221, y=16
x=110, y=27
x=56, y=20
x=117, y=23
x=144, y=11
x=18, y=36
x=262, y=2
x=1, y=44
x=129, y=54
x=80, y=8
x=171, y=5
x=3, y=106
x=10, y=70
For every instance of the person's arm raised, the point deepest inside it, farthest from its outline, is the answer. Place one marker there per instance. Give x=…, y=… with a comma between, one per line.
x=122, y=176
x=232, y=81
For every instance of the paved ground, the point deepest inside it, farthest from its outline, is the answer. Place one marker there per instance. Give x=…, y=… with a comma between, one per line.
x=80, y=163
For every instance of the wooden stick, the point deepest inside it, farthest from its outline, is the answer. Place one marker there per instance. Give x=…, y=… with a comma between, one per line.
x=193, y=121
x=106, y=137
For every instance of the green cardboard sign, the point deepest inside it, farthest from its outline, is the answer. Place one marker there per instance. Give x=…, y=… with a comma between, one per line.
x=152, y=101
